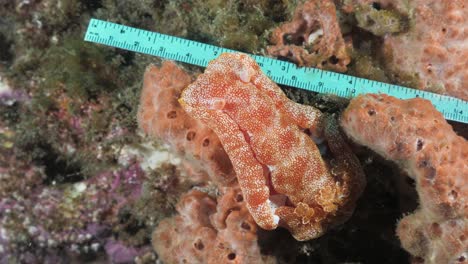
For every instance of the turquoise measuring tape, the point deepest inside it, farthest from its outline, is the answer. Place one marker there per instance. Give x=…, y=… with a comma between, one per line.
x=282, y=72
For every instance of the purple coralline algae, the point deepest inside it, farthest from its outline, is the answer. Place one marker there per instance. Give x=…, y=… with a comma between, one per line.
x=51, y=224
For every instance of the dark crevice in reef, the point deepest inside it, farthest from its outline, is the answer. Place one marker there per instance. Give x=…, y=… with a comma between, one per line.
x=9, y=113
x=5, y=48
x=92, y=4
x=56, y=168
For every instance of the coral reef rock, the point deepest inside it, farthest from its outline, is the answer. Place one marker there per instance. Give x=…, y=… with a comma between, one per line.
x=415, y=135
x=281, y=172
x=161, y=116
x=209, y=231
x=313, y=38
x=380, y=21
x=43, y=224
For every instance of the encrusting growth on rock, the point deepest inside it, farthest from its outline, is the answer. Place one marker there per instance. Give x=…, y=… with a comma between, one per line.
x=435, y=50
x=161, y=116
x=432, y=53
x=283, y=177
x=313, y=38
x=416, y=136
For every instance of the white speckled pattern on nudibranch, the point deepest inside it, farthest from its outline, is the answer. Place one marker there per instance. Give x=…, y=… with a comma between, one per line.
x=280, y=170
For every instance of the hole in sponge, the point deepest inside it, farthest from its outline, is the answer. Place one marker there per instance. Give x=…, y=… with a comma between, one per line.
x=199, y=245
x=190, y=135
x=171, y=114
x=245, y=226
x=371, y=112
x=231, y=256
x=206, y=142
x=290, y=39
x=453, y=195
x=333, y=59
x=419, y=145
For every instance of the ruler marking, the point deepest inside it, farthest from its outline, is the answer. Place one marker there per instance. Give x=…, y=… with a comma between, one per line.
x=282, y=72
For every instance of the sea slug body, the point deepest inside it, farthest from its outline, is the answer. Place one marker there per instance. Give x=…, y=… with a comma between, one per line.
x=280, y=170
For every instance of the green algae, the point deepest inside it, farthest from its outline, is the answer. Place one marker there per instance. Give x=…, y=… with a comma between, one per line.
x=242, y=25
x=380, y=21
x=160, y=193
x=364, y=66
x=85, y=69
x=65, y=75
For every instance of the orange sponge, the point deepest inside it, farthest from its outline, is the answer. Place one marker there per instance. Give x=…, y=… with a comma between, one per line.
x=416, y=136
x=161, y=116
x=209, y=231
x=313, y=38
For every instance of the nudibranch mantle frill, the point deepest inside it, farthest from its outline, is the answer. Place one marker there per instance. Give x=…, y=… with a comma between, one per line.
x=280, y=170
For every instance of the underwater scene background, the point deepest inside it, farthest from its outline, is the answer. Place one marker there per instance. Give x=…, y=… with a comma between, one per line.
x=99, y=162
